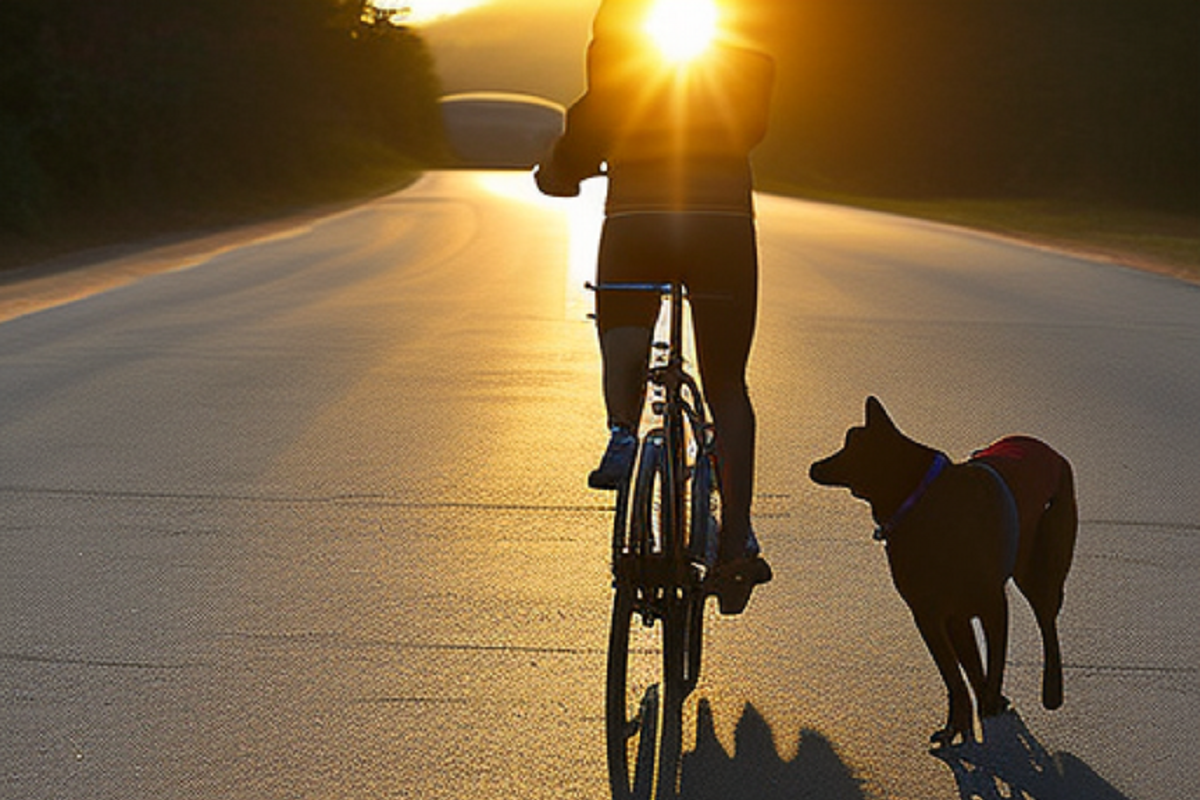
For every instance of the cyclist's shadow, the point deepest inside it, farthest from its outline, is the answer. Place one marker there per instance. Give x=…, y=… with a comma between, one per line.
x=756, y=772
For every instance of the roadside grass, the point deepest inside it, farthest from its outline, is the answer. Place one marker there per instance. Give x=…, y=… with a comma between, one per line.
x=357, y=171
x=1164, y=242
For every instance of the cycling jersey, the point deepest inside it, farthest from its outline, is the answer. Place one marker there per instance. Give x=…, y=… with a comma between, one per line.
x=675, y=138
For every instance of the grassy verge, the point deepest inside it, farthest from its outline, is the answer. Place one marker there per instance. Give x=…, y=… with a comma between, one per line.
x=1163, y=242
x=378, y=172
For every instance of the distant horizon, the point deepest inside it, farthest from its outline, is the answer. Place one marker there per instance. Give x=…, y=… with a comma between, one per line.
x=533, y=47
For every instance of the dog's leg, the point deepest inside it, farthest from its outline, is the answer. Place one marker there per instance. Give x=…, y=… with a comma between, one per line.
x=1052, y=675
x=967, y=650
x=995, y=635
x=1043, y=580
x=1056, y=534
x=959, y=719
x=1046, y=600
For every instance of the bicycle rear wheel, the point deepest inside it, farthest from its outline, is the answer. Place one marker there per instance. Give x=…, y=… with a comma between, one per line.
x=647, y=646
x=703, y=532
x=644, y=706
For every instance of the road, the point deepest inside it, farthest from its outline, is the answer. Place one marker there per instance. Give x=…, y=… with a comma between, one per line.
x=307, y=518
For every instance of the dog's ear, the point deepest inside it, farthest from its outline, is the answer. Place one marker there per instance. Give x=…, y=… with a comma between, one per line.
x=876, y=415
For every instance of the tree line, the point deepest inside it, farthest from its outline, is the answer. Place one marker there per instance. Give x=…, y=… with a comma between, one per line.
x=140, y=106
x=976, y=97
x=137, y=106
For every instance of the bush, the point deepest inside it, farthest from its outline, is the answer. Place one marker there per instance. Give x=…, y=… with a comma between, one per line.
x=945, y=97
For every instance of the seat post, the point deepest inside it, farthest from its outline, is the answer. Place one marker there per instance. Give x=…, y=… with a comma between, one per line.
x=676, y=351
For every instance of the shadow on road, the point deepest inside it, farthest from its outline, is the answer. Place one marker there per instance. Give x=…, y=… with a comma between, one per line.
x=1012, y=763
x=756, y=772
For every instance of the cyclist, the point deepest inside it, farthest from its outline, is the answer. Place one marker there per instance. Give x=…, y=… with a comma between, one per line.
x=675, y=140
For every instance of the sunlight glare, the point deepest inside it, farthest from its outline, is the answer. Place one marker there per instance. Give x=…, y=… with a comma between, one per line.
x=420, y=12
x=682, y=29
x=584, y=217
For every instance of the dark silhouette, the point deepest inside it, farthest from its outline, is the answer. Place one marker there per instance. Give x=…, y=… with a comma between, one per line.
x=1098, y=99
x=1013, y=763
x=955, y=534
x=139, y=109
x=756, y=772
x=675, y=138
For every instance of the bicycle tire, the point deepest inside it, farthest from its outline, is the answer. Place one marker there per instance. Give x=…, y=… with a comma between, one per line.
x=703, y=525
x=646, y=660
x=643, y=719
x=702, y=542
x=644, y=523
x=692, y=620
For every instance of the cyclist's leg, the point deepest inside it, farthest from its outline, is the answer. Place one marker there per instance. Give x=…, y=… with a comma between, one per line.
x=723, y=278
x=625, y=320
x=624, y=351
x=624, y=323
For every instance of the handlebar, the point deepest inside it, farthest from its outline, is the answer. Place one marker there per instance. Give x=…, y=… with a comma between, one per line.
x=653, y=288
x=623, y=286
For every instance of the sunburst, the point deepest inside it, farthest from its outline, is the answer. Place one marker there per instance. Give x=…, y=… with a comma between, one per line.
x=682, y=29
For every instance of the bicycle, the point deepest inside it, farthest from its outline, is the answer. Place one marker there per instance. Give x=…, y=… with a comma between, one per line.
x=664, y=541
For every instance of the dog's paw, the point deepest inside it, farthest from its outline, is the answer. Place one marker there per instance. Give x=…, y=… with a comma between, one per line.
x=949, y=736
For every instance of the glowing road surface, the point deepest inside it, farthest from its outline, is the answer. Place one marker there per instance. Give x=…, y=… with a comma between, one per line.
x=308, y=518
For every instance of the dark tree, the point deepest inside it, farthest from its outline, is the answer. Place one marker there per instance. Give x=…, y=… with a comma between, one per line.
x=137, y=105
x=940, y=97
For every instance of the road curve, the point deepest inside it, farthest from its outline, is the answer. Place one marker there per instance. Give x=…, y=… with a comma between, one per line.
x=307, y=517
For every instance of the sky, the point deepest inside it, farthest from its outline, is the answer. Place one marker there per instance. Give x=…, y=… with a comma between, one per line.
x=527, y=46
x=422, y=12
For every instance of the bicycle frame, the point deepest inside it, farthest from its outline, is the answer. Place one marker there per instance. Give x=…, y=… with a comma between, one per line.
x=683, y=422
x=658, y=576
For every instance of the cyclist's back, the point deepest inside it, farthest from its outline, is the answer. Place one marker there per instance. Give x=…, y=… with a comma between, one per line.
x=674, y=137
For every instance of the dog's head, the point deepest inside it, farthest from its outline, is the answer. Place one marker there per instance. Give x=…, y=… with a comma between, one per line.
x=865, y=465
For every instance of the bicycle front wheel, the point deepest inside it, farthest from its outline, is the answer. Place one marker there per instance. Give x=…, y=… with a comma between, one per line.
x=644, y=701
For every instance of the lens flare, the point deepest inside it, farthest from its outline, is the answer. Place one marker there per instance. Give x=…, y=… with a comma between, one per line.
x=422, y=12
x=682, y=29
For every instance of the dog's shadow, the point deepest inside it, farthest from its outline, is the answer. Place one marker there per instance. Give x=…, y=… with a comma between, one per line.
x=1011, y=763
x=756, y=771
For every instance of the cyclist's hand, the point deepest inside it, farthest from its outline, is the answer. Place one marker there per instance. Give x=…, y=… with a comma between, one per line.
x=552, y=184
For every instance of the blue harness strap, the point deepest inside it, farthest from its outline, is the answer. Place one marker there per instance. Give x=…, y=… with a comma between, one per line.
x=1012, y=521
x=884, y=530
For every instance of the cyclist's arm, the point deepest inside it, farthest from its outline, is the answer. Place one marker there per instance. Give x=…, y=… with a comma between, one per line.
x=579, y=151
x=576, y=156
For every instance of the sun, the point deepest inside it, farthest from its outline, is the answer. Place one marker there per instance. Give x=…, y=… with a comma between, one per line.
x=682, y=29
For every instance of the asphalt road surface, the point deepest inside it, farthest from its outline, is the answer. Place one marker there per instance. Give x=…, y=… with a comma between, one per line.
x=307, y=519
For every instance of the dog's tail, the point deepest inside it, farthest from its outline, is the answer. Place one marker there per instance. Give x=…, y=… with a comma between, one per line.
x=1054, y=549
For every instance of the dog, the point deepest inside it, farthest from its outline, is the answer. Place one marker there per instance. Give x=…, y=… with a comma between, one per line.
x=955, y=533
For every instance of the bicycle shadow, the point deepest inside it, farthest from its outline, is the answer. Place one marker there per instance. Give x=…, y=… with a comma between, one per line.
x=1013, y=763
x=755, y=771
